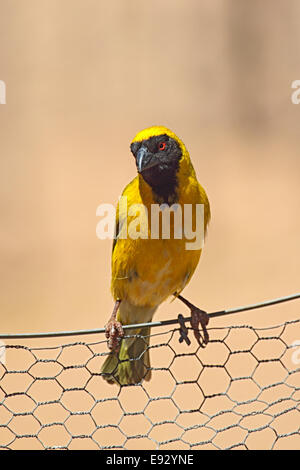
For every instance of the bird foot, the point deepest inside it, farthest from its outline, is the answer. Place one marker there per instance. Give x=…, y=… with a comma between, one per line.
x=200, y=317
x=114, y=333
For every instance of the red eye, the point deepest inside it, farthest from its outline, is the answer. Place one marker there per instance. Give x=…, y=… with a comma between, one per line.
x=162, y=146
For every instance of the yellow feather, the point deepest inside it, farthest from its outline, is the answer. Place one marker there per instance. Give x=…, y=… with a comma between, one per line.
x=156, y=261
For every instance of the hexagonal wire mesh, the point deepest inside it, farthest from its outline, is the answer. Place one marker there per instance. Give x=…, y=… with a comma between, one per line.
x=242, y=391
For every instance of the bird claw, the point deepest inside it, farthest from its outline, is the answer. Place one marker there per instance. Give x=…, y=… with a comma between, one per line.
x=114, y=332
x=200, y=317
x=183, y=331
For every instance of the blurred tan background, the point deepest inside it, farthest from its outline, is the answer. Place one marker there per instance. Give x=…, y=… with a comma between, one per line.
x=82, y=77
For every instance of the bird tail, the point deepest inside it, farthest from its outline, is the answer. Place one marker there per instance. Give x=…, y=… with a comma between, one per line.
x=132, y=363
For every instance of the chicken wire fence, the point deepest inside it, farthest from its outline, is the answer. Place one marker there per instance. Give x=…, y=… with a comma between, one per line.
x=241, y=391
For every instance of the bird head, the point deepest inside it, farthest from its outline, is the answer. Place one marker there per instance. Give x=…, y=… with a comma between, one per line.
x=159, y=154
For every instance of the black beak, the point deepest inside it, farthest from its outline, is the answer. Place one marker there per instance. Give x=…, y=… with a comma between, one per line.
x=145, y=159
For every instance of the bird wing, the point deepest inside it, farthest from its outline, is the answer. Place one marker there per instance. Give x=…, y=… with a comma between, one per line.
x=121, y=216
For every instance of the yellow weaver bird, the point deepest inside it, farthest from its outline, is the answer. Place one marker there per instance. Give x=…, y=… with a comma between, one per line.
x=146, y=271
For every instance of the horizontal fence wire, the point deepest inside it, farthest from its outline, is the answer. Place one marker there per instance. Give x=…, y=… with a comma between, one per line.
x=174, y=321
x=241, y=391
